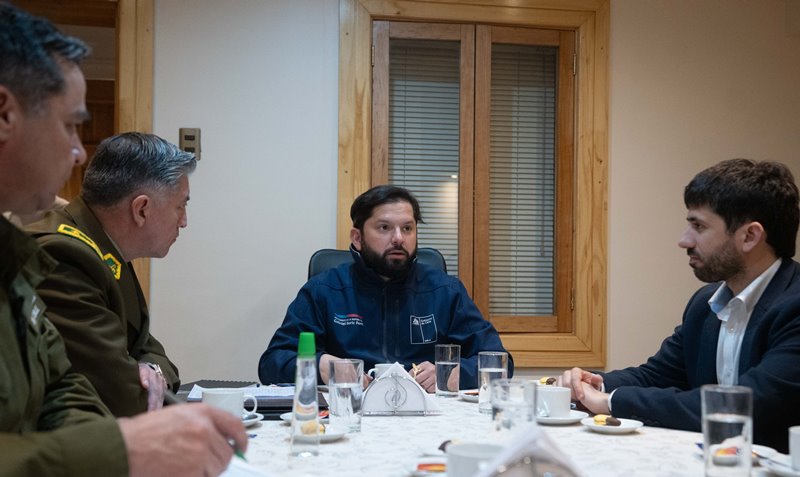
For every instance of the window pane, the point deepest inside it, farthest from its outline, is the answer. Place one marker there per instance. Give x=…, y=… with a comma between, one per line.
x=424, y=135
x=522, y=180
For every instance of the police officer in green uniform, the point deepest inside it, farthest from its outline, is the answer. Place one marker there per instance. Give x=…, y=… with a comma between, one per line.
x=51, y=419
x=133, y=203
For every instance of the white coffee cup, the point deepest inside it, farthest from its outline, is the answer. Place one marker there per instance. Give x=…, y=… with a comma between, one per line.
x=552, y=401
x=794, y=446
x=465, y=459
x=229, y=399
x=378, y=370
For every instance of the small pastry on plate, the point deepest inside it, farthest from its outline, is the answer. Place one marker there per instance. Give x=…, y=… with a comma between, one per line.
x=606, y=420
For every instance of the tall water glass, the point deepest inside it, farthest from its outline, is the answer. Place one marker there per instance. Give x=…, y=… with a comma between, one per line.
x=727, y=429
x=513, y=404
x=346, y=394
x=491, y=365
x=448, y=369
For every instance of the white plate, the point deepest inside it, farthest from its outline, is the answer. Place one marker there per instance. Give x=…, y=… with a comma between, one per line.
x=331, y=434
x=426, y=473
x=468, y=397
x=574, y=416
x=762, y=452
x=286, y=417
x=779, y=468
x=626, y=426
x=251, y=419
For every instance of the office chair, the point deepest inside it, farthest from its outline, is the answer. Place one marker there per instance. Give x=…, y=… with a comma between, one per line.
x=327, y=258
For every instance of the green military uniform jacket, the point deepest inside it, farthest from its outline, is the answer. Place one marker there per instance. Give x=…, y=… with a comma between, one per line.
x=95, y=301
x=38, y=390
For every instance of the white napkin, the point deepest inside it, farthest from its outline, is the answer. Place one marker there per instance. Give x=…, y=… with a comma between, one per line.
x=240, y=468
x=531, y=441
x=415, y=398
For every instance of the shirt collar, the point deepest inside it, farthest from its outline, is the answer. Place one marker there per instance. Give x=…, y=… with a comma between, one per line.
x=749, y=296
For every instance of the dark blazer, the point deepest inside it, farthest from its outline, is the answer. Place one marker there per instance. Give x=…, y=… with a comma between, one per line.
x=665, y=391
x=103, y=319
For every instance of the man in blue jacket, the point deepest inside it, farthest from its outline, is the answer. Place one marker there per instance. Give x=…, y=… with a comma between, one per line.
x=743, y=328
x=384, y=307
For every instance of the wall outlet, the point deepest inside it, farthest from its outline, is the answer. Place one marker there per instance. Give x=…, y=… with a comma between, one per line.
x=190, y=140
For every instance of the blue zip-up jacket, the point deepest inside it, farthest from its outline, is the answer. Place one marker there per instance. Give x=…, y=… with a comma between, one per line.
x=354, y=313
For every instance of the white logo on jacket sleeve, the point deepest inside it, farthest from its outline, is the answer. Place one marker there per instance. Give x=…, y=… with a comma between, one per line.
x=423, y=329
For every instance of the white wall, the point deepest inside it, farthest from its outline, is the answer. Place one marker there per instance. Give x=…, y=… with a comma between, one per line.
x=692, y=83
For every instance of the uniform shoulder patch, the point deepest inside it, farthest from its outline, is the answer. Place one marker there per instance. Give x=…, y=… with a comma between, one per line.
x=108, y=259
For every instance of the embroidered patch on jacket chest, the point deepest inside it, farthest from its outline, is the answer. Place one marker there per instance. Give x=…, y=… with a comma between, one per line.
x=423, y=329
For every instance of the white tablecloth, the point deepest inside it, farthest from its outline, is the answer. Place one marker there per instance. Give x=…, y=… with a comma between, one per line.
x=391, y=446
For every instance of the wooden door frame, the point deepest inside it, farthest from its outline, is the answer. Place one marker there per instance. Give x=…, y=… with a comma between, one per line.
x=133, y=20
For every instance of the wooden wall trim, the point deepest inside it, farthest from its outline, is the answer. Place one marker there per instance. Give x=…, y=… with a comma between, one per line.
x=585, y=346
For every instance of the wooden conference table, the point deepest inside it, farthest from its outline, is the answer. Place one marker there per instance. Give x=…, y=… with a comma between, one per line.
x=392, y=446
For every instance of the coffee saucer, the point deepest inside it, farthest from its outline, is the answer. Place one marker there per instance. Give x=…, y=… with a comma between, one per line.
x=469, y=395
x=251, y=419
x=331, y=434
x=429, y=466
x=626, y=426
x=574, y=416
x=286, y=417
x=780, y=465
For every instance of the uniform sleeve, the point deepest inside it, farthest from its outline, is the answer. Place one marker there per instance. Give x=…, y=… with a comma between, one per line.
x=91, y=448
x=79, y=302
x=475, y=334
x=75, y=433
x=153, y=352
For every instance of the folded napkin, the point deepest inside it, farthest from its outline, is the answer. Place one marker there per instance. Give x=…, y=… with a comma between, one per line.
x=395, y=392
x=531, y=448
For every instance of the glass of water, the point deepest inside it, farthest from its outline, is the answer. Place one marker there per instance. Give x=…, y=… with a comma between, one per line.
x=346, y=394
x=491, y=365
x=513, y=404
x=727, y=429
x=448, y=369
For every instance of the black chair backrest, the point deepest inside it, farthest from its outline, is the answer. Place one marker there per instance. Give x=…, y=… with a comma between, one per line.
x=327, y=258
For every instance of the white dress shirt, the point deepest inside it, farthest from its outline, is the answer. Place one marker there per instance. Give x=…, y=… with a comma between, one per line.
x=734, y=313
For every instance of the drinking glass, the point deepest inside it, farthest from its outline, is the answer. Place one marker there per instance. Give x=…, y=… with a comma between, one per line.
x=346, y=394
x=727, y=429
x=448, y=369
x=491, y=365
x=513, y=404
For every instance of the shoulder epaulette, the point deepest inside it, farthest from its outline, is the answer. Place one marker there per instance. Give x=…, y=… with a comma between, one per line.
x=108, y=259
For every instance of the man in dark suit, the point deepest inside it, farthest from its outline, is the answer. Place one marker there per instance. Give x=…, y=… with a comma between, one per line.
x=743, y=221
x=133, y=203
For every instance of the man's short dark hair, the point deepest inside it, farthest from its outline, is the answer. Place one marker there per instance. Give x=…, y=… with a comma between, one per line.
x=133, y=162
x=741, y=191
x=362, y=207
x=30, y=51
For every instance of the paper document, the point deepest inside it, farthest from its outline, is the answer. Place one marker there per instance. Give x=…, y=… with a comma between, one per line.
x=260, y=392
x=240, y=468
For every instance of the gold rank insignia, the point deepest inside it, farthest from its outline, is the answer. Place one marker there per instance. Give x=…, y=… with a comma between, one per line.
x=108, y=259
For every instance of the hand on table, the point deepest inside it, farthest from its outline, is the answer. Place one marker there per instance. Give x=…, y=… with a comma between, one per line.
x=182, y=440
x=425, y=375
x=325, y=366
x=594, y=400
x=575, y=378
x=155, y=384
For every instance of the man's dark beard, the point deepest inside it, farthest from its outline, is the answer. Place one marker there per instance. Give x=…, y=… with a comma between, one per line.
x=384, y=266
x=721, y=265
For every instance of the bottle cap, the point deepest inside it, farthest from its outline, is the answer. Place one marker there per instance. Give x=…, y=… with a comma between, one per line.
x=306, y=346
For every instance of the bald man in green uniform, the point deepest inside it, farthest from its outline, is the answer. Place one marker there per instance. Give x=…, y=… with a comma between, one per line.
x=51, y=420
x=133, y=203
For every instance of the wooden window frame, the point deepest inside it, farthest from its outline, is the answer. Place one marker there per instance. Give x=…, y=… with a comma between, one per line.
x=585, y=344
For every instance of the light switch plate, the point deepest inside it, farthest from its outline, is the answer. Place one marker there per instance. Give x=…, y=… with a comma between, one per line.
x=190, y=140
